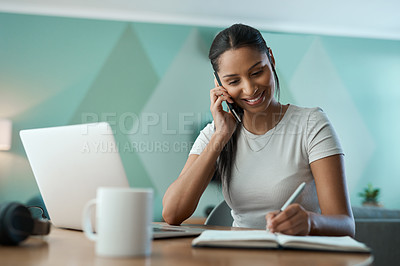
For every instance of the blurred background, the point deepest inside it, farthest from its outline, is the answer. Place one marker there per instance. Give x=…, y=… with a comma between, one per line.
x=143, y=67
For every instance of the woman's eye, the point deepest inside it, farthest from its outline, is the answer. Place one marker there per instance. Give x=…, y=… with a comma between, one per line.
x=233, y=82
x=256, y=73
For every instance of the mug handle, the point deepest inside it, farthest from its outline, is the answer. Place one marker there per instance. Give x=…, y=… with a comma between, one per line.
x=87, y=221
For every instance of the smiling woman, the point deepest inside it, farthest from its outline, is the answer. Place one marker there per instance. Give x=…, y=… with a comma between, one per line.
x=262, y=160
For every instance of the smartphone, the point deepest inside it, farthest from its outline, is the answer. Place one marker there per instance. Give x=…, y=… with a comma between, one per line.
x=232, y=106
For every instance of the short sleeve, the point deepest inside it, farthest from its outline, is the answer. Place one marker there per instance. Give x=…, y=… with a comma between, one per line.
x=322, y=140
x=203, y=139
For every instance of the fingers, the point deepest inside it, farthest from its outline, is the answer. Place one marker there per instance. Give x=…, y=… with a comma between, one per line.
x=269, y=218
x=297, y=229
x=290, y=226
x=217, y=97
x=220, y=92
x=217, y=105
x=294, y=221
x=225, y=122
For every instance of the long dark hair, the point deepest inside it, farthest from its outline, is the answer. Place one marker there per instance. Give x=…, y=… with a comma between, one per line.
x=234, y=37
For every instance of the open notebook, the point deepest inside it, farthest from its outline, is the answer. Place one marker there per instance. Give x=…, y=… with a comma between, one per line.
x=264, y=239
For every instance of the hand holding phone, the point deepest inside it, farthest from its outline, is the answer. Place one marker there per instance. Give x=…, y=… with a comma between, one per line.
x=232, y=106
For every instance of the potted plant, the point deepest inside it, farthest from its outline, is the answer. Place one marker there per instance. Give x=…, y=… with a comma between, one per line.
x=370, y=196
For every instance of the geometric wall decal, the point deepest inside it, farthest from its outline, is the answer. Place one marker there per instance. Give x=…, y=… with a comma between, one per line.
x=207, y=34
x=14, y=184
x=46, y=66
x=288, y=51
x=42, y=56
x=179, y=103
x=371, y=69
x=161, y=43
x=124, y=83
x=58, y=70
x=119, y=92
x=317, y=83
x=62, y=105
x=284, y=96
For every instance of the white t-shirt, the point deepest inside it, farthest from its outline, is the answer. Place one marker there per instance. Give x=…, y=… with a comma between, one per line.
x=268, y=168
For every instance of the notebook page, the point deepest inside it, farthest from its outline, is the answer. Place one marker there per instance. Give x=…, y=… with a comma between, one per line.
x=342, y=243
x=242, y=238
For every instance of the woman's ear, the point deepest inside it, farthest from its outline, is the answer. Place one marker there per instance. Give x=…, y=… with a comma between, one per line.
x=271, y=56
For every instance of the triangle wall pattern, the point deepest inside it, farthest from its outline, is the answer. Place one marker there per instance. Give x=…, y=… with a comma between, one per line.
x=179, y=102
x=120, y=90
x=316, y=76
x=152, y=82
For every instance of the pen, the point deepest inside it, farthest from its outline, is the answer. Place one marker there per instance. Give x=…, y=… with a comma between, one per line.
x=294, y=196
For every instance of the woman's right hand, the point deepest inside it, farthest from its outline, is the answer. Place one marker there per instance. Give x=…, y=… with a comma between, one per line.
x=225, y=123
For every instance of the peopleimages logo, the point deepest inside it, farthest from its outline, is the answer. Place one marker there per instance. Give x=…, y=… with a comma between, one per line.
x=137, y=147
x=129, y=123
x=144, y=133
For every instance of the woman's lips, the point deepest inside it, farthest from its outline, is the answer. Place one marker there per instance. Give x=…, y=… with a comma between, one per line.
x=256, y=100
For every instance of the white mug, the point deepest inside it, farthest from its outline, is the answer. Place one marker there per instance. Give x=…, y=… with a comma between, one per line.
x=123, y=221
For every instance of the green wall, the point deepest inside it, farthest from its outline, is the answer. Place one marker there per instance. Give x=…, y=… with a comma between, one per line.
x=152, y=81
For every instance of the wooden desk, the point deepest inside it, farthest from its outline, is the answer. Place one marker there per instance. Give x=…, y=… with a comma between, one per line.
x=65, y=247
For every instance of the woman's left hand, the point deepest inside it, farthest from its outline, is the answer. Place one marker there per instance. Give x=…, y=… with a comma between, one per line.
x=294, y=220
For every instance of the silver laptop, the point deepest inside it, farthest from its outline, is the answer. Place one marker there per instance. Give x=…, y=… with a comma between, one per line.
x=69, y=164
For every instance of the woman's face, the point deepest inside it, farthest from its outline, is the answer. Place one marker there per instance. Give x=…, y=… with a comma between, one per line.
x=247, y=75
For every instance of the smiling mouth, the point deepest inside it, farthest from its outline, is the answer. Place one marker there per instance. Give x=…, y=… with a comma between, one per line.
x=256, y=100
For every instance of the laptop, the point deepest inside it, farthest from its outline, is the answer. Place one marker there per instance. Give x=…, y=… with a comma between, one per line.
x=69, y=164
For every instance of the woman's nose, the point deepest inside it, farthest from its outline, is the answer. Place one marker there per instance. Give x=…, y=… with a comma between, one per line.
x=249, y=89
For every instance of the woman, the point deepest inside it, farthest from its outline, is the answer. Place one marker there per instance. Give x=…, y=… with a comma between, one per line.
x=262, y=160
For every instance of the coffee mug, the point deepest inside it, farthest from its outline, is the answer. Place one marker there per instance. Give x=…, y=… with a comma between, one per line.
x=123, y=221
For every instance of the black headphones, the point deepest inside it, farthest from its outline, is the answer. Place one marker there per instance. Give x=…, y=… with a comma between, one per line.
x=17, y=223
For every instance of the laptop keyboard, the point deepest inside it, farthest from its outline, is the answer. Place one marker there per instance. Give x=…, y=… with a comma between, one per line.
x=157, y=229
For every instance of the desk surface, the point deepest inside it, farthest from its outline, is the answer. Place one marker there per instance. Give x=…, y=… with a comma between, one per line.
x=66, y=247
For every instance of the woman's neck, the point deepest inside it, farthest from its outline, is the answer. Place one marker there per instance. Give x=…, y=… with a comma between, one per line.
x=262, y=122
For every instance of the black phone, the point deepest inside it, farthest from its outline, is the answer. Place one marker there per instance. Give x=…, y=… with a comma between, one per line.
x=232, y=106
